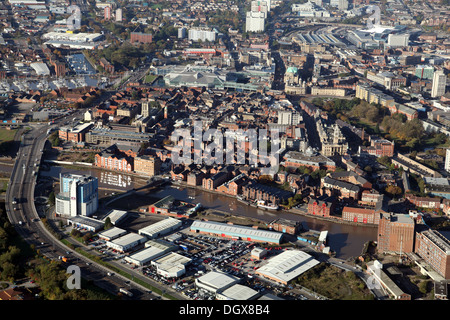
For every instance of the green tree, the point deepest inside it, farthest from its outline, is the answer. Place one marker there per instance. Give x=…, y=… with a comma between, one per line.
x=108, y=223
x=51, y=198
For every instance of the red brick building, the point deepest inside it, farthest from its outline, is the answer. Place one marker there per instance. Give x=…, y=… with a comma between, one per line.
x=360, y=215
x=434, y=248
x=76, y=134
x=234, y=186
x=396, y=233
x=285, y=226
x=424, y=202
x=323, y=208
x=113, y=159
x=141, y=37
x=214, y=181
x=379, y=148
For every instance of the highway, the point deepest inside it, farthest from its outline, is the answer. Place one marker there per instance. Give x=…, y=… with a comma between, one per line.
x=24, y=217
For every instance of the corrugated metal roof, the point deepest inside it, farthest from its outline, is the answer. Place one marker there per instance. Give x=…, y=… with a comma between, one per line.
x=238, y=231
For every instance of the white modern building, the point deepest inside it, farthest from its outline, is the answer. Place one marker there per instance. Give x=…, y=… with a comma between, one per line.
x=182, y=32
x=238, y=292
x=398, y=40
x=153, y=250
x=112, y=234
x=259, y=5
x=86, y=223
x=215, y=281
x=439, y=83
x=126, y=242
x=116, y=216
x=287, y=266
x=78, y=195
x=119, y=15
x=172, y=265
x=254, y=21
x=258, y=253
x=197, y=34
x=447, y=160
x=343, y=5
x=160, y=228
x=289, y=118
x=73, y=40
x=40, y=68
x=310, y=9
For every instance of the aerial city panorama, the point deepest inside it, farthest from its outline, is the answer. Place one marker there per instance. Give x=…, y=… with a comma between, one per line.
x=256, y=153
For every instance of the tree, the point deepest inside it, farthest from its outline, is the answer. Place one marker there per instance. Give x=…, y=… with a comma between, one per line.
x=51, y=198
x=108, y=223
x=393, y=191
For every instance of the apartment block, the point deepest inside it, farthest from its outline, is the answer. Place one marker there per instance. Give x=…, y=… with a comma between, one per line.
x=434, y=248
x=141, y=37
x=147, y=165
x=396, y=233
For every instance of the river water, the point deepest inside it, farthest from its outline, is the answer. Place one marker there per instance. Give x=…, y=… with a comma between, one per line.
x=346, y=240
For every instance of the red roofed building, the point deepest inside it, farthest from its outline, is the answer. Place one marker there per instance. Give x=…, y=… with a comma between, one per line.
x=360, y=215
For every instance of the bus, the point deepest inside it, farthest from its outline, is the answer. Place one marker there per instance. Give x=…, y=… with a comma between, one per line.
x=128, y=293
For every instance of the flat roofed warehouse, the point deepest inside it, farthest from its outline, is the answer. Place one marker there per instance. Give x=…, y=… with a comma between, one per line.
x=236, y=232
x=215, y=281
x=126, y=242
x=238, y=292
x=40, y=68
x=172, y=265
x=116, y=216
x=86, y=223
x=153, y=250
x=287, y=266
x=160, y=228
x=112, y=234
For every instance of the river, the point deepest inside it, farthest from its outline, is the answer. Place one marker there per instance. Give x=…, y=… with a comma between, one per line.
x=346, y=240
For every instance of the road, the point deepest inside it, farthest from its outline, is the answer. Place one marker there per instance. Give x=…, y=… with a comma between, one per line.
x=24, y=217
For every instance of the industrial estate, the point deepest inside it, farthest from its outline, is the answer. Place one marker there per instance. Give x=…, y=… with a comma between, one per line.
x=253, y=150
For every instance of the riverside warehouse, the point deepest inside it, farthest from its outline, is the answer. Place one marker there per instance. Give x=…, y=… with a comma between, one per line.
x=236, y=232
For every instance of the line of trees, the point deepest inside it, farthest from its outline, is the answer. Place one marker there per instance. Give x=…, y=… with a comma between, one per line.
x=19, y=261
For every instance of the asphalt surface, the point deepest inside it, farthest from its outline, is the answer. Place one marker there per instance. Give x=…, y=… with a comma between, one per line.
x=27, y=223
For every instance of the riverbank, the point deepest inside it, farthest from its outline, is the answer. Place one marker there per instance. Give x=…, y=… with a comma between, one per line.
x=293, y=210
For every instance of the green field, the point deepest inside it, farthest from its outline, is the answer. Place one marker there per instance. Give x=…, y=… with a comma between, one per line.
x=150, y=78
x=7, y=135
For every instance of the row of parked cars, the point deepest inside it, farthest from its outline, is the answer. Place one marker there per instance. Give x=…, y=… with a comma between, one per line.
x=151, y=273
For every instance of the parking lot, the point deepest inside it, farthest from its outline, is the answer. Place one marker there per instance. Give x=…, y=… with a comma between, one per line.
x=207, y=253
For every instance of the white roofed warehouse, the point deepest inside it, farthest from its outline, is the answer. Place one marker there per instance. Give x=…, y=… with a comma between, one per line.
x=238, y=292
x=112, y=234
x=172, y=265
x=126, y=242
x=40, y=68
x=153, y=250
x=287, y=266
x=236, y=232
x=215, y=281
x=116, y=216
x=160, y=228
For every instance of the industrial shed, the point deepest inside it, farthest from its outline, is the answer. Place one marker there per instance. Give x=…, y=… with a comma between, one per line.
x=160, y=228
x=126, y=242
x=258, y=253
x=153, y=250
x=86, y=223
x=112, y=234
x=116, y=216
x=172, y=265
x=287, y=266
x=238, y=292
x=40, y=68
x=215, y=281
x=236, y=232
